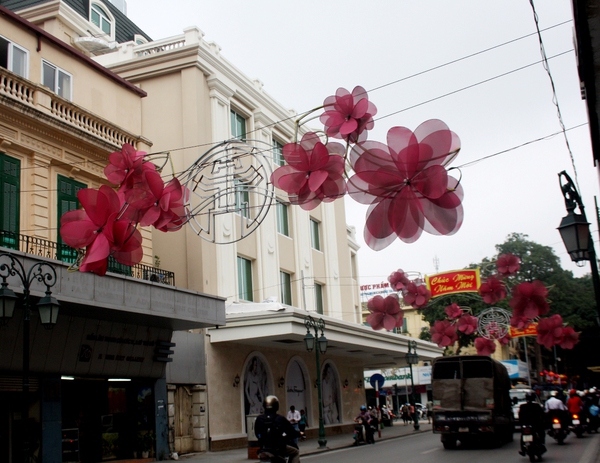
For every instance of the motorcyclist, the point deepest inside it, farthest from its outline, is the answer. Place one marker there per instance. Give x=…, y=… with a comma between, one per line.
x=574, y=404
x=554, y=407
x=275, y=433
x=364, y=418
x=532, y=414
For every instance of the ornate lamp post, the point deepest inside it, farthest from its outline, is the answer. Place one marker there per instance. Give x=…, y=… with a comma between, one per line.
x=47, y=307
x=412, y=359
x=575, y=232
x=309, y=340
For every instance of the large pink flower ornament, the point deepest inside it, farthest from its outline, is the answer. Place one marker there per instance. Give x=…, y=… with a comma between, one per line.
x=492, y=290
x=126, y=166
x=520, y=323
x=98, y=229
x=398, y=280
x=570, y=338
x=467, y=324
x=485, y=346
x=550, y=331
x=313, y=173
x=443, y=333
x=406, y=185
x=453, y=311
x=385, y=313
x=508, y=264
x=348, y=115
x=529, y=300
x=416, y=295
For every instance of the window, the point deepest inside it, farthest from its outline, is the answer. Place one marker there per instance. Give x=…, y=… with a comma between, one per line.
x=56, y=79
x=278, y=153
x=242, y=198
x=244, y=269
x=404, y=328
x=67, y=201
x=315, y=239
x=10, y=183
x=282, y=219
x=100, y=18
x=238, y=126
x=319, y=298
x=14, y=58
x=285, y=282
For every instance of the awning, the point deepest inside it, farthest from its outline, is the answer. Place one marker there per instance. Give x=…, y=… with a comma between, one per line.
x=277, y=326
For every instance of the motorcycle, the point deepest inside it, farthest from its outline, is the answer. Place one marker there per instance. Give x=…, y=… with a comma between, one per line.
x=558, y=430
x=577, y=425
x=530, y=444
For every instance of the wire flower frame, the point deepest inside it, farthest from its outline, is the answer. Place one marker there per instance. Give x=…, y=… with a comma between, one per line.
x=228, y=191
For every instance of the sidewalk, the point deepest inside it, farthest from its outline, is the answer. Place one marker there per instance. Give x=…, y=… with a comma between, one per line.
x=307, y=447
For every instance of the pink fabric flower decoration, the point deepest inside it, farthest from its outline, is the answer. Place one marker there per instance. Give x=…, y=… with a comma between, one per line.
x=125, y=165
x=492, y=290
x=313, y=173
x=504, y=340
x=98, y=229
x=519, y=322
x=348, y=115
x=398, y=280
x=443, y=333
x=453, y=311
x=529, y=300
x=485, y=346
x=155, y=204
x=385, y=313
x=508, y=264
x=416, y=295
x=467, y=324
x=570, y=338
x=406, y=185
x=550, y=331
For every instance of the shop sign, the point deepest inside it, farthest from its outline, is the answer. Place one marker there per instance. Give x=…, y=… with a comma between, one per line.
x=456, y=281
x=531, y=330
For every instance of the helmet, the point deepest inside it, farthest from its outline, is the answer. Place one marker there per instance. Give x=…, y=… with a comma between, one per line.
x=553, y=393
x=271, y=404
x=572, y=392
x=530, y=396
x=363, y=408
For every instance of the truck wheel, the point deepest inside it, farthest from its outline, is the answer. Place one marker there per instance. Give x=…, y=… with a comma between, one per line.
x=449, y=443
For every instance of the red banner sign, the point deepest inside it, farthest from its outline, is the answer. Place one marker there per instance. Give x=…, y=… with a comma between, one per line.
x=531, y=330
x=457, y=281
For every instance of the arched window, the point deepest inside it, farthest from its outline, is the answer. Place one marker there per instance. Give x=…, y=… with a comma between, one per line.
x=101, y=18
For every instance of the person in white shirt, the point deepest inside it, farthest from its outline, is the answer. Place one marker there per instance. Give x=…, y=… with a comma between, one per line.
x=293, y=416
x=554, y=403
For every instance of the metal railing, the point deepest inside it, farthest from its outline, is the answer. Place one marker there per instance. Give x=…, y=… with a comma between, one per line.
x=52, y=250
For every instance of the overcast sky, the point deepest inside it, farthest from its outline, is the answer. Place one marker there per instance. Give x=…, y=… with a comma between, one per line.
x=500, y=100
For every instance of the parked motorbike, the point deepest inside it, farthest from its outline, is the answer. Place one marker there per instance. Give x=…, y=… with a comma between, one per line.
x=558, y=430
x=577, y=425
x=531, y=444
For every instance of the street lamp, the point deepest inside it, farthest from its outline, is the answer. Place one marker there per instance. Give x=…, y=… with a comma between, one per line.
x=309, y=340
x=47, y=307
x=412, y=359
x=575, y=232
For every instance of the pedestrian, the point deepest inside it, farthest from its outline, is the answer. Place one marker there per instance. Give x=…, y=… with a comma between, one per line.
x=411, y=412
x=429, y=410
x=405, y=414
x=293, y=417
x=303, y=423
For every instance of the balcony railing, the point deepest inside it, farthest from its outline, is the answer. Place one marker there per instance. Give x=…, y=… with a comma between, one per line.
x=53, y=250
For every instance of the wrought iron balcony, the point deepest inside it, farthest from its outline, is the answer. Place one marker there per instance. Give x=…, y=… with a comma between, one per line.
x=64, y=253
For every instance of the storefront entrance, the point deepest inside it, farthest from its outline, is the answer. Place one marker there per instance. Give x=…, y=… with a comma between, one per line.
x=106, y=420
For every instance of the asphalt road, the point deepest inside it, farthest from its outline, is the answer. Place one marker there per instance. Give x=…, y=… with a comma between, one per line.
x=426, y=448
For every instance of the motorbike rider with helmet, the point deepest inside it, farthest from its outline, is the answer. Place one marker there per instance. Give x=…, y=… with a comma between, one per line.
x=532, y=414
x=275, y=433
x=364, y=419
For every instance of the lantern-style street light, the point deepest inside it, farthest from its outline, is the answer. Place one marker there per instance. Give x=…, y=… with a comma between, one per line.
x=412, y=359
x=321, y=341
x=575, y=232
x=47, y=307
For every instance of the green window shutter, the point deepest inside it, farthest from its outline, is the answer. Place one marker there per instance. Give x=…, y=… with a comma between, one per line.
x=244, y=268
x=238, y=126
x=285, y=280
x=10, y=179
x=319, y=298
x=67, y=201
